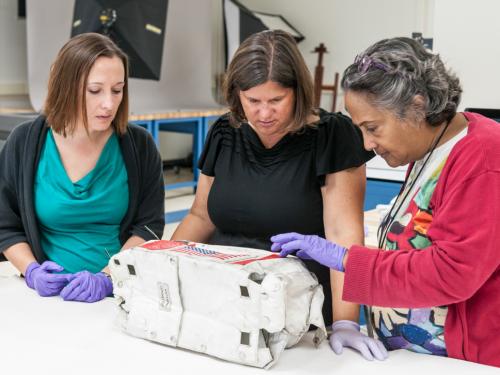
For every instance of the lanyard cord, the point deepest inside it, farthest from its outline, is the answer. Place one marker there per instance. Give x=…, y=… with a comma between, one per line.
x=384, y=227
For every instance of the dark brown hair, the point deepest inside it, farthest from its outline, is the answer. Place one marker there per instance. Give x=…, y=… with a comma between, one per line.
x=65, y=101
x=270, y=55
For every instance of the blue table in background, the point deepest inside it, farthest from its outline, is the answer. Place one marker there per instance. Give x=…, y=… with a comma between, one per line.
x=380, y=192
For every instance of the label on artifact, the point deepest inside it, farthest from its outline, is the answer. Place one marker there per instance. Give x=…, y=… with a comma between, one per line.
x=164, y=295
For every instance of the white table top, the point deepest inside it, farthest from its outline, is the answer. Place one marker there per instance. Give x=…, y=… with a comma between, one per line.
x=50, y=336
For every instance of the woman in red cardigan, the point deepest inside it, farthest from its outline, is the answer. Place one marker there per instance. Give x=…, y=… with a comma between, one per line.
x=434, y=283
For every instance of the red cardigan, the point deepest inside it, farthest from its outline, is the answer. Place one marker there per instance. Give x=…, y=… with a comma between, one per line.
x=461, y=269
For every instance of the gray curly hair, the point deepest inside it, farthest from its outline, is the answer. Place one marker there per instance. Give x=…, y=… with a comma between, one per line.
x=393, y=71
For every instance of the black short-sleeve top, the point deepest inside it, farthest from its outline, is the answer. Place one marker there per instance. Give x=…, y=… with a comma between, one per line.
x=259, y=192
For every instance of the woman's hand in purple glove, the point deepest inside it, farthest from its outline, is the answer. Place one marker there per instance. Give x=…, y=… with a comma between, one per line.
x=43, y=280
x=87, y=287
x=310, y=247
x=345, y=333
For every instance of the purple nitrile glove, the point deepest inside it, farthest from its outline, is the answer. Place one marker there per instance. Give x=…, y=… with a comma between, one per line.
x=43, y=280
x=310, y=247
x=87, y=287
x=345, y=333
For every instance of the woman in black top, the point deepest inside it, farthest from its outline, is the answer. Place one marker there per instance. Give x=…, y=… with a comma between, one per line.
x=273, y=165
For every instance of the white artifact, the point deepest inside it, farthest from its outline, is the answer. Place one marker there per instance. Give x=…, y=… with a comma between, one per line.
x=238, y=304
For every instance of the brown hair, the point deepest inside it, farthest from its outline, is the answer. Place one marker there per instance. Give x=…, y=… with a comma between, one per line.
x=65, y=101
x=270, y=55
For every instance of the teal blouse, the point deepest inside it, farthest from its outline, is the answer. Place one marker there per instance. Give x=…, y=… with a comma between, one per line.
x=80, y=222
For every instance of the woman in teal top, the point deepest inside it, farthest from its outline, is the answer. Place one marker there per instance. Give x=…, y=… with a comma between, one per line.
x=78, y=183
x=80, y=221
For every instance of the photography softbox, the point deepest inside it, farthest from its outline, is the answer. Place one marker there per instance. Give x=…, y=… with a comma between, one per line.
x=137, y=26
x=241, y=22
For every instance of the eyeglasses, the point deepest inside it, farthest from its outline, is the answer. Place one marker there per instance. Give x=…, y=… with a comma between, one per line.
x=365, y=62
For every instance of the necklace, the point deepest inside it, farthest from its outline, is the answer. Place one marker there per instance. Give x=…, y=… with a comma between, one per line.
x=384, y=227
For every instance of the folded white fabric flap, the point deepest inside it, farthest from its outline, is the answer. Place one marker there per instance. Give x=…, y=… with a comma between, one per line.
x=242, y=305
x=149, y=285
x=273, y=303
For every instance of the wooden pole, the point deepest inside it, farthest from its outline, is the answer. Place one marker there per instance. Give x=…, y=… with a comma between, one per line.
x=318, y=74
x=318, y=79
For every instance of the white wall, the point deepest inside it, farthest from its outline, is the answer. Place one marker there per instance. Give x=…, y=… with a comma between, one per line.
x=467, y=35
x=13, y=63
x=346, y=27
